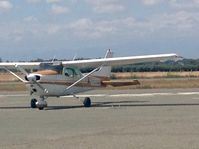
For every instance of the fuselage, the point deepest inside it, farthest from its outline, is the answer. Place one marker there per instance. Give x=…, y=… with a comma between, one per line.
x=54, y=83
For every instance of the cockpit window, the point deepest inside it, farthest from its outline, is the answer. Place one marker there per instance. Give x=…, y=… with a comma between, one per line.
x=71, y=72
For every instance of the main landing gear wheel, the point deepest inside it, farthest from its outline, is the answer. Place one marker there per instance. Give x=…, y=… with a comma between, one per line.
x=41, y=108
x=87, y=102
x=33, y=103
x=41, y=104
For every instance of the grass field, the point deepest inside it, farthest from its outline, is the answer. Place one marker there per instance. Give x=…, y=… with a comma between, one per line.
x=6, y=77
x=149, y=75
x=12, y=86
x=148, y=80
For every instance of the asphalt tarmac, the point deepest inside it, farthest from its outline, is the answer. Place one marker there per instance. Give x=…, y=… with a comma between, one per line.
x=151, y=119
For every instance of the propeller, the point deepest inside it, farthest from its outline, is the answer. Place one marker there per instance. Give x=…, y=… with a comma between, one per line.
x=33, y=78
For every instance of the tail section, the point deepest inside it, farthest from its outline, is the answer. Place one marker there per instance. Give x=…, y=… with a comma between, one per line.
x=105, y=71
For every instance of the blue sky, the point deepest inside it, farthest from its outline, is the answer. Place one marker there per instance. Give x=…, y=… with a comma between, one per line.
x=31, y=29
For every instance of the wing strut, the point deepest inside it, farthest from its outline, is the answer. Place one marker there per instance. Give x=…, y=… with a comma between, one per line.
x=69, y=87
x=14, y=74
x=24, y=81
x=22, y=70
x=26, y=73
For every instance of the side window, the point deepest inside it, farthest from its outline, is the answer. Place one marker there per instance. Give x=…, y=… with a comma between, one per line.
x=68, y=72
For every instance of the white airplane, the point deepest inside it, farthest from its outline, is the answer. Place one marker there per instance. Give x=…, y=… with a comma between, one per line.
x=55, y=79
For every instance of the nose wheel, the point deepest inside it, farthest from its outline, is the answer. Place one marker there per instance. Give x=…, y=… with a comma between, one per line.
x=33, y=103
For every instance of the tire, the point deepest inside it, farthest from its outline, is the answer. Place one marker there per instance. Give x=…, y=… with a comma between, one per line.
x=87, y=102
x=33, y=103
x=41, y=108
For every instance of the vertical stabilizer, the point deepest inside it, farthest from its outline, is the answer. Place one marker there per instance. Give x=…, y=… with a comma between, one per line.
x=105, y=71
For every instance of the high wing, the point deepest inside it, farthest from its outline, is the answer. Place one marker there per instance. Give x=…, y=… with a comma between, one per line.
x=120, y=60
x=98, y=62
x=25, y=65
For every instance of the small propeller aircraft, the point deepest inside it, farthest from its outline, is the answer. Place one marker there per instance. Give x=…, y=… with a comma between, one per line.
x=55, y=79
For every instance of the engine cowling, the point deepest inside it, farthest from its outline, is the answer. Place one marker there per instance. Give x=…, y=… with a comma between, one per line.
x=32, y=77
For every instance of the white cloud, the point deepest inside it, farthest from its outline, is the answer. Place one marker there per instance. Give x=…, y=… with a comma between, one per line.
x=34, y=1
x=86, y=28
x=106, y=6
x=184, y=4
x=53, y=29
x=5, y=5
x=53, y=1
x=109, y=8
x=180, y=4
x=47, y=1
x=180, y=23
x=57, y=9
x=30, y=19
x=151, y=2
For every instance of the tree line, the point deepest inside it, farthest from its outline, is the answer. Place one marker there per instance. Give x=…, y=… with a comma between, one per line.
x=183, y=65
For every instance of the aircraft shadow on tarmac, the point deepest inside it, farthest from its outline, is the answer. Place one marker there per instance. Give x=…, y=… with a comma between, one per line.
x=110, y=104
x=97, y=104
x=124, y=104
x=15, y=107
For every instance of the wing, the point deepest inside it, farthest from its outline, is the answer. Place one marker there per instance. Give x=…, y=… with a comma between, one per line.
x=25, y=65
x=120, y=60
x=98, y=62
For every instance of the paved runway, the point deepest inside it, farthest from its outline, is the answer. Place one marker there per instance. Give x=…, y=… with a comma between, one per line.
x=118, y=119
